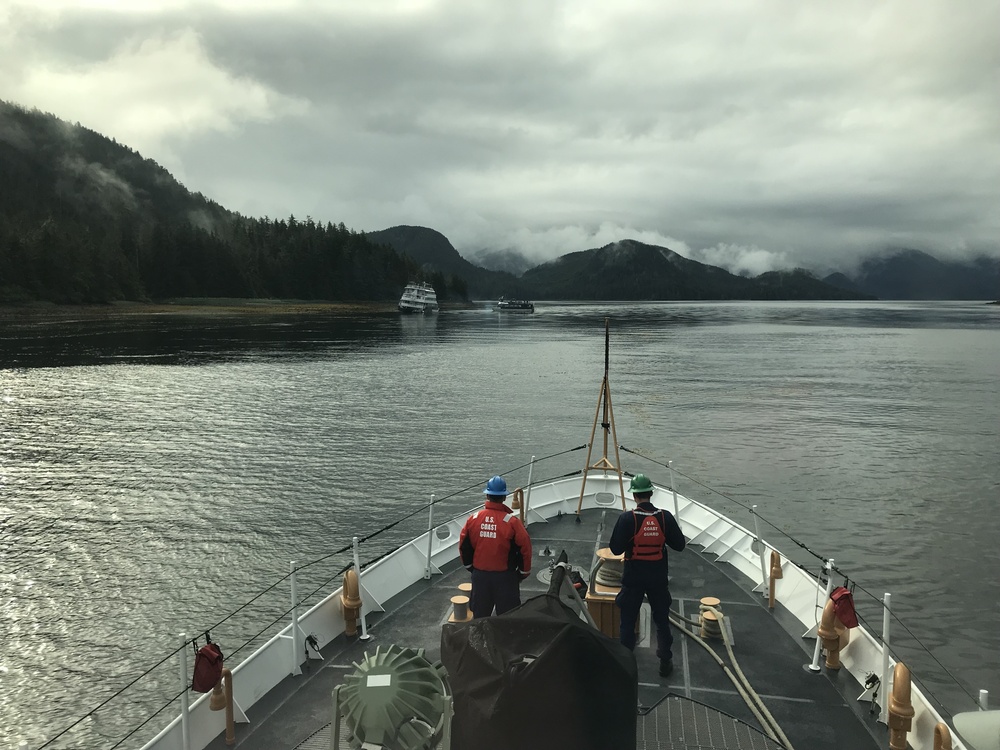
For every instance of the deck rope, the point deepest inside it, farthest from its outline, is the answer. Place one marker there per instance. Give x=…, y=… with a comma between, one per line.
x=833, y=569
x=739, y=679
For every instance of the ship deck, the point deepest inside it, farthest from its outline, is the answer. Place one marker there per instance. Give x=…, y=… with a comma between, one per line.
x=695, y=707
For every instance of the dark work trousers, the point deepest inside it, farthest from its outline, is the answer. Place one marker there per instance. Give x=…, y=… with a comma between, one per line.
x=500, y=589
x=646, y=580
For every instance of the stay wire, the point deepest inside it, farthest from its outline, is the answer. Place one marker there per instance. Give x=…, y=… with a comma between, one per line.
x=437, y=500
x=730, y=499
x=105, y=702
x=149, y=718
x=237, y=650
x=161, y=663
x=926, y=650
x=833, y=569
x=284, y=578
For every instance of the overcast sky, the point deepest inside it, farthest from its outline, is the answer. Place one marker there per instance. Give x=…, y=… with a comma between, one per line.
x=745, y=133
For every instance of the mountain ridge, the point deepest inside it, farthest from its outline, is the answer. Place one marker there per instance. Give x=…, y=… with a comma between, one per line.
x=86, y=219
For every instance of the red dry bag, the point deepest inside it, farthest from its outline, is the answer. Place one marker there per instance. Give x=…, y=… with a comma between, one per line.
x=207, y=668
x=843, y=606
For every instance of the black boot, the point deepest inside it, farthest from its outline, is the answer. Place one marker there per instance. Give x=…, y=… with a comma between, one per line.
x=666, y=667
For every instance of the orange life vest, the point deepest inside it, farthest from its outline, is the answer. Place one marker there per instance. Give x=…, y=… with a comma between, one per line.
x=649, y=538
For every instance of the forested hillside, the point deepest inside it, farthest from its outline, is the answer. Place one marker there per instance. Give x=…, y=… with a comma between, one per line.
x=905, y=273
x=435, y=253
x=86, y=219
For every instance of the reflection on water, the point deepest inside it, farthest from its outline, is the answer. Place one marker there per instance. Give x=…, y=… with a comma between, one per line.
x=220, y=337
x=158, y=473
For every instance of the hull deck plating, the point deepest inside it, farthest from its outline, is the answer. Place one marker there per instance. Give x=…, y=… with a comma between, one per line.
x=696, y=706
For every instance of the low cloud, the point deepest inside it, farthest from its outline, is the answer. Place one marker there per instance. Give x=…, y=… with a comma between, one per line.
x=753, y=136
x=152, y=94
x=98, y=184
x=745, y=261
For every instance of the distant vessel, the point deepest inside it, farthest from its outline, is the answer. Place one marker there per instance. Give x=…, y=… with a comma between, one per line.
x=418, y=297
x=514, y=305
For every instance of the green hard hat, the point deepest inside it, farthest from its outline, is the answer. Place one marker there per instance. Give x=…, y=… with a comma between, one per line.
x=640, y=483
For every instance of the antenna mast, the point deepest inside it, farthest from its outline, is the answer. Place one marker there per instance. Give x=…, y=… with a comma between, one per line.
x=607, y=424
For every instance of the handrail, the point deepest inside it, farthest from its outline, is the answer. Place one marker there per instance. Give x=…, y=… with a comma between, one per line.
x=854, y=585
x=345, y=550
x=281, y=616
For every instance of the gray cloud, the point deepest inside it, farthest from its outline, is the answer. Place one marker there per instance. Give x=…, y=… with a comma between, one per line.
x=754, y=136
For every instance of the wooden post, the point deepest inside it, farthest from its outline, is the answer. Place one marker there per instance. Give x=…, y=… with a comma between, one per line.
x=942, y=737
x=900, y=709
x=775, y=574
x=830, y=636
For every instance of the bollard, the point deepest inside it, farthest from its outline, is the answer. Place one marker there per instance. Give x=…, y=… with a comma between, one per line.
x=460, y=607
x=710, y=625
x=775, y=574
x=222, y=698
x=942, y=737
x=517, y=503
x=350, y=599
x=830, y=636
x=900, y=709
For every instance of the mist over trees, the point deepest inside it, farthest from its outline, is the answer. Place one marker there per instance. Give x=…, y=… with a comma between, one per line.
x=84, y=219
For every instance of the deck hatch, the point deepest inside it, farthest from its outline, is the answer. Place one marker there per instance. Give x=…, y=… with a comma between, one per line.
x=677, y=723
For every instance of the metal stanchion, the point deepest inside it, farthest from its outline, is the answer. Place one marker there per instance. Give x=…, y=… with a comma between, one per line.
x=814, y=665
x=357, y=566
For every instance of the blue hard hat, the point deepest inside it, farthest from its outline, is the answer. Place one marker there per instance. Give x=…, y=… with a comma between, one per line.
x=496, y=486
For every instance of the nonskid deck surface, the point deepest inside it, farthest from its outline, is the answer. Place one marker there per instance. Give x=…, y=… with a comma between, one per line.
x=815, y=711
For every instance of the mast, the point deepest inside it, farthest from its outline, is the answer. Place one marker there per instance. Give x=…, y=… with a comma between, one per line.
x=607, y=413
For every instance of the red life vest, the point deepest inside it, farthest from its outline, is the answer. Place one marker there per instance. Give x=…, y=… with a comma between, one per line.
x=649, y=538
x=491, y=535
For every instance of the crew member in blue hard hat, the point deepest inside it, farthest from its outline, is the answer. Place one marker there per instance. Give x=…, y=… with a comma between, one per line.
x=496, y=548
x=643, y=535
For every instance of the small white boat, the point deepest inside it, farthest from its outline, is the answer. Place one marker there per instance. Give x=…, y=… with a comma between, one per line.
x=418, y=297
x=514, y=305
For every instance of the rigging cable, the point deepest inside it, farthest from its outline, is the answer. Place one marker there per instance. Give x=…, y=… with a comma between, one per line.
x=805, y=547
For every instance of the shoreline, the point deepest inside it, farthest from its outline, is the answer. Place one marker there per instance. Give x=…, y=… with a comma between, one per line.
x=198, y=306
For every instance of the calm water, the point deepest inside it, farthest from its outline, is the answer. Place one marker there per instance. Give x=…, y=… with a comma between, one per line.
x=157, y=474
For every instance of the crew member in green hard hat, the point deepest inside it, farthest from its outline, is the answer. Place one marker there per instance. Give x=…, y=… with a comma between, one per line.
x=496, y=548
x=643, y=535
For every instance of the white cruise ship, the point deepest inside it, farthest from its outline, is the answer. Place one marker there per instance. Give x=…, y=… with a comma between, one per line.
x=418, y=297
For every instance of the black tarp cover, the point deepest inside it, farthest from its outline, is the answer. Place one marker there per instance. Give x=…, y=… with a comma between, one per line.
x=580, y=692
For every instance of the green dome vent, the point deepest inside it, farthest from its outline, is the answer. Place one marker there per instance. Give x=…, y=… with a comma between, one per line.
x=396, y=700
